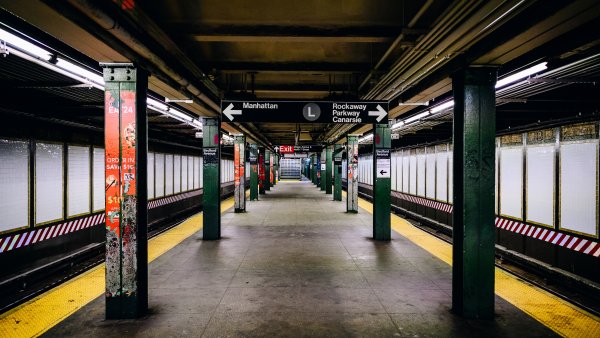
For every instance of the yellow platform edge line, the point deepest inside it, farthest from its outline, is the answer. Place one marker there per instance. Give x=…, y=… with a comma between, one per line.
x=560, y=316
x=40, y=314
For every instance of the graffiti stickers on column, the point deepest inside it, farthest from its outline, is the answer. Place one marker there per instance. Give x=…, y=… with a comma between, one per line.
x=128, y=186
x=113, y=192
x=120, y=191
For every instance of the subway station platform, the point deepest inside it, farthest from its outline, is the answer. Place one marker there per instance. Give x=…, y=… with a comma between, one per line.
x=296, y=264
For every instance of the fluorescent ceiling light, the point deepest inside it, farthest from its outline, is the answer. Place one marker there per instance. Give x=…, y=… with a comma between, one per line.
x=180, y=115
x=397, y=125
x=425, y=103
x=28, y=51
x=157, y=110
x=25, y=46
x=197, y=124
x=179, y=100
x=157, y=104
x=522, y=74
x=442, y=106
x=416, y=117
x=78, y=70
x=366, y=138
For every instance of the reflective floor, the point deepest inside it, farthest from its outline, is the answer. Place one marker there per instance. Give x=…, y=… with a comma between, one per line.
x=296, y=264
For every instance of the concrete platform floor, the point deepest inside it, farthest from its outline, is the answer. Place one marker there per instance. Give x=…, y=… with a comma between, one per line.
x=297, y=265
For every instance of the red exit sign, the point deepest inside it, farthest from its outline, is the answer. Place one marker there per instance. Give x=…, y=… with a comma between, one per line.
x=286, y=149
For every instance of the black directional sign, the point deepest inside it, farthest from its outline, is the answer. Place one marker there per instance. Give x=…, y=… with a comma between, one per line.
x=361, y=112
x=284, y=149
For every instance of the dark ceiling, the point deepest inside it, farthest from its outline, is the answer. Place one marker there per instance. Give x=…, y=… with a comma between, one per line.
x=396, y=50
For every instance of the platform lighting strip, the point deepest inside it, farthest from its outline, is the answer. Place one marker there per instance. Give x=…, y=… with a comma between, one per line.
x=448, y=104
x=28, y=51
x=366, y=138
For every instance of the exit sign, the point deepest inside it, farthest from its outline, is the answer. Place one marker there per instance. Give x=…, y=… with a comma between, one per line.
x=286, y=149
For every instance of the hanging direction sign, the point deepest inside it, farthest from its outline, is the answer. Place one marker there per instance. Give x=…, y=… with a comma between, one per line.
x=361, y=112
x=285, y=149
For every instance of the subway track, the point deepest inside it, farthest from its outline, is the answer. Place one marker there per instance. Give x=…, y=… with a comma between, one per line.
x=29, y=284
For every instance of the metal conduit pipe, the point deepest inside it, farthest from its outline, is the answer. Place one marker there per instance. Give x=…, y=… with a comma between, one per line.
x=430, y=39
x=458, y=40
x=461, y=40
x=109, y=24
x=436, y=37
x=394, y=44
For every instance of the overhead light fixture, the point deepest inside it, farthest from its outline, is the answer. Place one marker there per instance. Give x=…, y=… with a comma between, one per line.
x=80, y=71
x=179, y=115
x=172, y=112
x=442, y=106
x=397, y=125
x=426, y=103
x=416, y=117
x=168, y=100
x=25, y=46
x=522, y=74
x=155, y=103
x=30, y=52
x=197, y=123
x=366, y=138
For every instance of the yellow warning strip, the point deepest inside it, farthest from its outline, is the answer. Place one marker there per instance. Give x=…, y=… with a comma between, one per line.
x=557, y=314
x=43, y=312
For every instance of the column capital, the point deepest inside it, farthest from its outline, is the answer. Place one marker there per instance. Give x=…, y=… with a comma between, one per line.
x=476, y=75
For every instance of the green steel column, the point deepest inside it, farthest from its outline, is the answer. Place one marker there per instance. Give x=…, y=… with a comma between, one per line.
x=271, y=170
x=323, y=169
x=211, y=197
x=253, y=157
x=278, y=177
x=126, y=152
x=337, y=172
x=352, y=174
x=382, y=187
x=315, y=166
x=310, y=169
x=307, y=168
x=474, y=179
x=267, y=182
x=239, y=173
x=328, y=170
x=276, y=169
x=261, y=170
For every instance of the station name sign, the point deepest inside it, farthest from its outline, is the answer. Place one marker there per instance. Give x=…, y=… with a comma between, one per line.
x=361, y=112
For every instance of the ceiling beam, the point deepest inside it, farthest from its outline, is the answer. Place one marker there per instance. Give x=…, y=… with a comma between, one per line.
x=291, y=39
x=292, y=87
x=278, y=33
x=241, y=67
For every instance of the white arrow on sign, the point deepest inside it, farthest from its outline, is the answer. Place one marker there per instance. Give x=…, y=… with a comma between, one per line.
x=380, y=113
x=229, y=112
